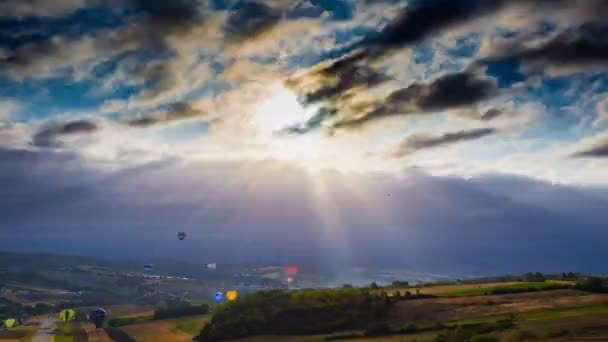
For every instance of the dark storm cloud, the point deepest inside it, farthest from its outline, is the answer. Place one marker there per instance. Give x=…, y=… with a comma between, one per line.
x=353, y=77
x=165, y=17
x=154, y=21
x=47, y=136
x=447, y=92
x=416, y=21
x=249, y=20
x=171, y=13
x=49, y=198
x=584, y=48
x=178, y=111
x=422, y=141
x=598, y=151
x=424, y=18
x=491, y=114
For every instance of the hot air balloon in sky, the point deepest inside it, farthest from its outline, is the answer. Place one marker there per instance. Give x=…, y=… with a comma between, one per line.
x=291, y=270
x=181, y=235
x=148, y=267
x=66, y=315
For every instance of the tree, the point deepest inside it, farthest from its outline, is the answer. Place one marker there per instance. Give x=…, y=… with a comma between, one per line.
x=374, y=286
x=533, y=277
x=399, y=283
x=179, y=308
x=377, y=329
x=299, y=312
x=593, y=284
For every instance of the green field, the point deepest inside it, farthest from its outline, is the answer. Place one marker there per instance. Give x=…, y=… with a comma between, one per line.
x=63, y=332
x=20, y=333
x=190, y=325
x=177, y=329
x=512, y=287
x=566, y=312
x=510, y=311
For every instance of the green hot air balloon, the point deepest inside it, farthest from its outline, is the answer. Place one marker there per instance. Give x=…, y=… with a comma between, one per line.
x=10, y=323
x=67, y=315
x=181, y=235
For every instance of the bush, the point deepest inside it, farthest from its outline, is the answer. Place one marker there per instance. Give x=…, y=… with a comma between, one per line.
x=410, y=328
x=121, y=322
x=484, y=338
x=377, y=329
x=458, y=335
x=593, y=284
x=10, y=309
x=178, y=308
x=342, y=336
x=400, y=284
x=300, y=312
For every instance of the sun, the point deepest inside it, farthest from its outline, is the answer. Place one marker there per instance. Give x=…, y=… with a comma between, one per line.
x=281, y=110
x=315, y=150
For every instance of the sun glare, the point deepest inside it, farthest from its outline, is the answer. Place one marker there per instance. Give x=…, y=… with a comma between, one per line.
x=281, y=110
x=313, y=150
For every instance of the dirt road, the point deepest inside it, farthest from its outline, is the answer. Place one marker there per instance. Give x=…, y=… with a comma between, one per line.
x=45, y=333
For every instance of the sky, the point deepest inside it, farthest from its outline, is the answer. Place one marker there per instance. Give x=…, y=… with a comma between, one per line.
x=433, y=134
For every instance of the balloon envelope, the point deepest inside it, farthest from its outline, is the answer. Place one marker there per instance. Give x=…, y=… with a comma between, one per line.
x=98, y=317
x=10, y=323
x=291, y=270
x=181, y=235
x=218, y=297
x=67, y=314
x=231, y=295
x=148, y=267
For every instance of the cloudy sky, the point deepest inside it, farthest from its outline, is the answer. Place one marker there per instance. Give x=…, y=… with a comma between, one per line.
x=433, y=133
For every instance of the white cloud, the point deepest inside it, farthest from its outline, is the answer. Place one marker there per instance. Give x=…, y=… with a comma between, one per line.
x=9, y=109
x=40, y=8
x=602, y=112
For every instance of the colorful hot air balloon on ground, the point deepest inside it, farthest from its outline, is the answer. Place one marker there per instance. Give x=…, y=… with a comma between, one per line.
x=231, y=295
x=181, y=235
x=218, y=297
x=10, y=323
x=67, y=315
x=98, y=317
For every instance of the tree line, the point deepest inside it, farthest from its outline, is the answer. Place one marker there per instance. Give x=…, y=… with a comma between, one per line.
x=298, y=312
